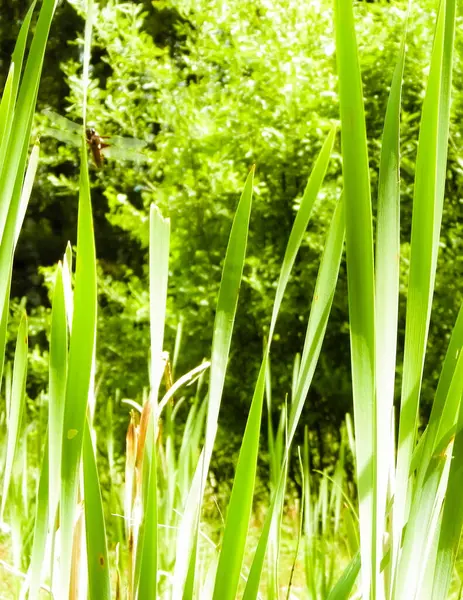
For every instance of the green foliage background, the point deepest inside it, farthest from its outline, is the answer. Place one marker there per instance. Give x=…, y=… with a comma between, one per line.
x=214, y=87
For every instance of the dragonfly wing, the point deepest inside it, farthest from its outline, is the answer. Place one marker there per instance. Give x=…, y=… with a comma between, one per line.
x=125, y=142
x=60, y=122
x=123, y=148
x=118, y=148
x=118, y=153
x=67, y=137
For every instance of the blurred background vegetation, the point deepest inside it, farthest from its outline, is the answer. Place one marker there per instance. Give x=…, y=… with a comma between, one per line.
x=215, y=86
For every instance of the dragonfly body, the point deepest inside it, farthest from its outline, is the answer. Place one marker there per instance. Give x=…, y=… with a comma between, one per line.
x=101, y=146
x=95, y=141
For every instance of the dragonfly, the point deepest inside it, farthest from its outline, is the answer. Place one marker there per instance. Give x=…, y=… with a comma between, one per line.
x=101, y=146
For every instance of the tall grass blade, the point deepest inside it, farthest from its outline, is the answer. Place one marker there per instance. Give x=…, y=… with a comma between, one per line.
x=319, y=312
x=223, y=327
x=146, y=568
x=343, y=588
x=427, y=215
x=225, y=313
x=147, y=545
x=27, y=188
x=82, y=342
x=443, y=413
x=4, y=327
x=67, y=285
x=99, y=585
x=324, y=291
x=6, y=107
x=387, y=295
x=9, y=98
x=159, y=271
x=40, y=531
x=309, y=526
x=15, y=157
x=17, y=403
x=424, y=522
x=6, y=259
x=58, y=366
x=452, y=517
x=360, y=278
